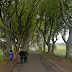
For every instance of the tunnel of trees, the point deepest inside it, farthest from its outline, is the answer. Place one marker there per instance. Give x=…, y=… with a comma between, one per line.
x=35, y=22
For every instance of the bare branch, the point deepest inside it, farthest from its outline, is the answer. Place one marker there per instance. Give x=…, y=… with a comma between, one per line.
x=64, y=39
x=35, y=26
x=63, y=14
x=2, y=28
x=56, y=39
x=63, y=36
x=16, y=10
x=4, y=22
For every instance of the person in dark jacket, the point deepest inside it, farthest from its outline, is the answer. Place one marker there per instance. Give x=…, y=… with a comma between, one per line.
x=22, y=54
x=25, y=57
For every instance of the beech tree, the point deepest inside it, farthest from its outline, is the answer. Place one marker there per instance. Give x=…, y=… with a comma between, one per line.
x=66, y=14
x=17, y=17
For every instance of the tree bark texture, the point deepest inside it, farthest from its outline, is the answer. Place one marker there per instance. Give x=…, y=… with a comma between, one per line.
x=8, y=38
x=39, y=42
x=49, y=45
x=53, y=44
x=69, y=41
x=44, y=44
x=69, y=45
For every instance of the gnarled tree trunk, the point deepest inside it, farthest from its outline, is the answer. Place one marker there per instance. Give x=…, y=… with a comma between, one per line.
x=69, y=45
x=44, y=44
x=53, y=44
x=49, y=45
x=8, y=38
x=69, y=24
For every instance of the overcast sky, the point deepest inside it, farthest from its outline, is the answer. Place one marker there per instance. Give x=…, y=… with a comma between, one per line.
x=60, y=40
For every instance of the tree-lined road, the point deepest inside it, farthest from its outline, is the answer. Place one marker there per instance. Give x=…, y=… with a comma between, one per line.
x=39, y=63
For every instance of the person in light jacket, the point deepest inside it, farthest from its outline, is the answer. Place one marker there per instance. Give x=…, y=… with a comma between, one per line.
x=15, y=57
x=11, y=55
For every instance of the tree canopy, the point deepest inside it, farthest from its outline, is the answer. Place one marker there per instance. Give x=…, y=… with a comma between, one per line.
x=23, y=22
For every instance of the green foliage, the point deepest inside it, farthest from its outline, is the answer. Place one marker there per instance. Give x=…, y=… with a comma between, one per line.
x=1, y=24
x=37, y=48
x=2, y=29
x=55, y=47
x=49, y=10
x=24, y=18
x=1, y=56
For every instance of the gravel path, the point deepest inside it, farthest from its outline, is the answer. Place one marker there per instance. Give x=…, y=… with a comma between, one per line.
x=38, y=63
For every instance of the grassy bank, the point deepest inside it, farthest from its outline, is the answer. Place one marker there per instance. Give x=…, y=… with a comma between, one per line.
x=60, y=49
x=1, y=56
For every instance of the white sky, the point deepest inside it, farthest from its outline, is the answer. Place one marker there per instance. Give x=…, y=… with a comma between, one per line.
x=60, y=40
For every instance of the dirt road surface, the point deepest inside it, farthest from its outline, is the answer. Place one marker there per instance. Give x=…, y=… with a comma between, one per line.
x=39, y=63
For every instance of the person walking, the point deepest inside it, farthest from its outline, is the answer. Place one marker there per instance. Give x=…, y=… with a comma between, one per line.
x=22, y=54
x=25, y=57
x=11, y=55
x=15, y=57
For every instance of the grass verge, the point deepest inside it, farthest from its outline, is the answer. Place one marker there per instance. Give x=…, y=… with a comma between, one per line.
x=1, y=56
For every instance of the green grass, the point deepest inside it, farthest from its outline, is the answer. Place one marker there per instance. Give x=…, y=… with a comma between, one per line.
x=37, y=48
x=1, y=56
x=30, y=48
x=60, y=50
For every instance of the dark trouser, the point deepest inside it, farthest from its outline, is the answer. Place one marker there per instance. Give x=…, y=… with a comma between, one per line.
x=11, y=59
x=15, y=60
x=21, y=59
x=25, y=59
